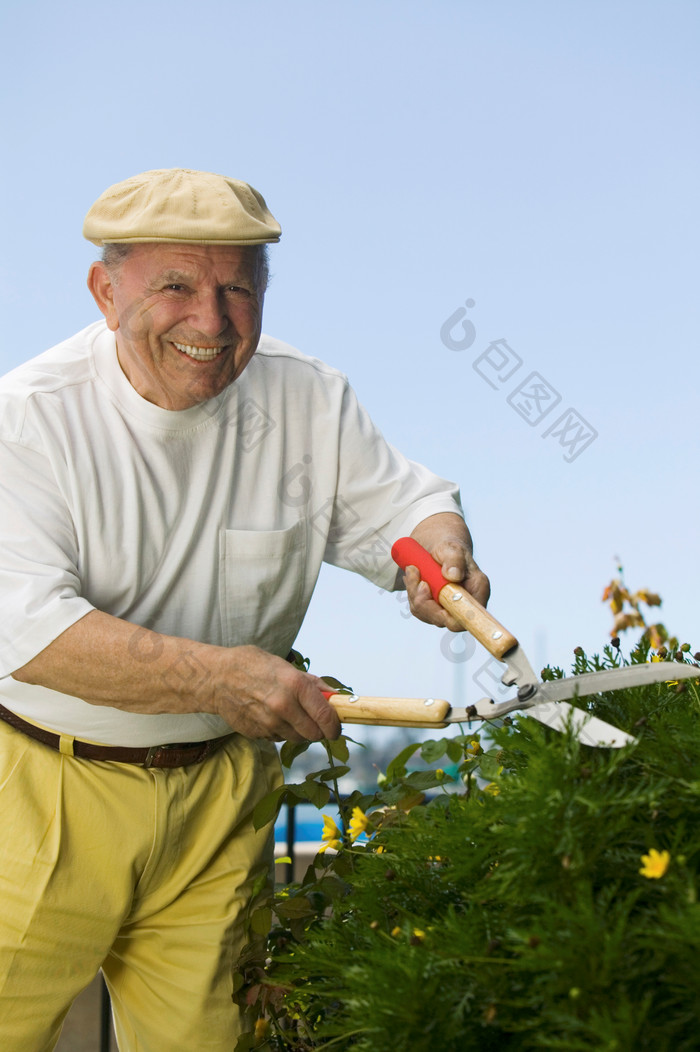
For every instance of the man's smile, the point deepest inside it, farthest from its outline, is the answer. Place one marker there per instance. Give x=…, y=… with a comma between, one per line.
x=200, y=354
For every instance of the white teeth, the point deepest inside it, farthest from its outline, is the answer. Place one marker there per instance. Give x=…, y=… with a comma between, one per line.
x=200, y=354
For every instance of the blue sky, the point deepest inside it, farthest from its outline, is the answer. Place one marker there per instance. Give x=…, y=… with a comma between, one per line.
x=537, y=160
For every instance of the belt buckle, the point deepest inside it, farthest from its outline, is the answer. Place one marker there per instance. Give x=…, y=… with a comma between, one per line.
x=205, y=748
x=180, y=746
x=151, y=754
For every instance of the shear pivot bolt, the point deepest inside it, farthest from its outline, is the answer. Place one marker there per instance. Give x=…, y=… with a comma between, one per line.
x=428, y=702
x=496, y=635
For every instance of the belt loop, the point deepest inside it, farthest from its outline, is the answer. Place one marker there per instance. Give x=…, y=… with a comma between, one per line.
x=65, y=745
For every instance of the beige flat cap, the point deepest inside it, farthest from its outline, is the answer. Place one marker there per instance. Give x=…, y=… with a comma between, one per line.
x=177, y=204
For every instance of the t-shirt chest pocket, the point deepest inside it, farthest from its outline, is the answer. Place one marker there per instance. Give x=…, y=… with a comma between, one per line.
x=262, y=586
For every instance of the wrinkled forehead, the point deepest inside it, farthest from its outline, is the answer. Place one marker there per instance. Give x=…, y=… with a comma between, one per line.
x=170, y=261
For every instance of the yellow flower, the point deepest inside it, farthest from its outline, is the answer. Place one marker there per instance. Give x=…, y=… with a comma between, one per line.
x=262, y=1028
x=492, y=789
x=396, y=931
x=358, y=823
x=331, y=834
x=474, y=747
x=418, y=934
x=655, y=863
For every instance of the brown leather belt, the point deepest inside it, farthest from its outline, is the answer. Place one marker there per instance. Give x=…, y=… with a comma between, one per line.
x=178, y=755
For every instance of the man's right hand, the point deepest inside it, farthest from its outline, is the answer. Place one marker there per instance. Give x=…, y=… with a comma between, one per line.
x=263, y=696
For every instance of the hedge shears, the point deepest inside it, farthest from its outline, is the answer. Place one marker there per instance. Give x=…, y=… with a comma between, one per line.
x=546, y=702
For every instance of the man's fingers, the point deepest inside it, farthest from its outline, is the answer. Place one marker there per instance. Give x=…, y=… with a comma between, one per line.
x=319, y=710
x=453, y=559
x=424, y=607
x=421, y=601
x=478, y=584
x=303, y=715
x=264, y=697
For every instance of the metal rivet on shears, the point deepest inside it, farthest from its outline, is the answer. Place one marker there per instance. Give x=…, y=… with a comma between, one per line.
x=350, y=698
x=428, y=702
x=456, y=597
x=496, y=635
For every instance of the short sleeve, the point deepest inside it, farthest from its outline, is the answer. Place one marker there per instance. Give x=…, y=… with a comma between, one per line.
x=381, y=496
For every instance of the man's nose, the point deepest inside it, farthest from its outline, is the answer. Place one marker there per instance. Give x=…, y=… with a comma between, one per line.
x=208, y=314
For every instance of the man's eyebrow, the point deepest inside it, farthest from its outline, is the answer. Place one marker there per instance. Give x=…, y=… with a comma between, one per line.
x=178, y=277
x=174, y=277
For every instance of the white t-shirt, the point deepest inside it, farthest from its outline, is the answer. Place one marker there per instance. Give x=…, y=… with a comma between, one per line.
x=209, y=523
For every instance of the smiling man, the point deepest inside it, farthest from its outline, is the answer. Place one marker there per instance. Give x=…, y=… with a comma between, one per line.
x=155, y=571
x=187, y=318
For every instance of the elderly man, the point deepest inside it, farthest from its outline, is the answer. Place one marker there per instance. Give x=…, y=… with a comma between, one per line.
x=155, y=569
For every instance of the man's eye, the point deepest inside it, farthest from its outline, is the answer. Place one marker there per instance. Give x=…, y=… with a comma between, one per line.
x=175, y=287
x=237, y=290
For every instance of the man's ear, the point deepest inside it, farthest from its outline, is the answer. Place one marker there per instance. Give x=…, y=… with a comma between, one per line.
x=102, y=289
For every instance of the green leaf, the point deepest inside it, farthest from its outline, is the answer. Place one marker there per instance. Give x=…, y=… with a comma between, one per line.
x=298, y=660
x=342, y=864
x=397, y=767
x=339, y=688
x=339, y=749
x=398, y=794
x=328, y=774
x=269, y=807
x=433, y=750
x=359, y=799
x=258, y=885
x=290, y=750
x=295, y=907
x=423, y=780
x=454, y=750
x=333, y=887
x=315, y=793
x=261, y=920
x=489, y=765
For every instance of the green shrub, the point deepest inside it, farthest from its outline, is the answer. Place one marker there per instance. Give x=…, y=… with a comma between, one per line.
x=498, y=898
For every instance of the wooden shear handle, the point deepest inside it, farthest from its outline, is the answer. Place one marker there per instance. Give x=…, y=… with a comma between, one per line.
x=389, y=712
x=455, y=599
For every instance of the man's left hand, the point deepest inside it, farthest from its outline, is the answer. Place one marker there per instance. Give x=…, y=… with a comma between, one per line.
x=449, y=542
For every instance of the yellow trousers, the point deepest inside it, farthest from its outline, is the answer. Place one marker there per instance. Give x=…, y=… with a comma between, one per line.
x=145, y=873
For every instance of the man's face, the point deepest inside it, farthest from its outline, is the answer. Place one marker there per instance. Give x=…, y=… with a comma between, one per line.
x=187, y=318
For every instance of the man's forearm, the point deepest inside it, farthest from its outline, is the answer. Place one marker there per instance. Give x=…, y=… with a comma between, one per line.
x=107, y=661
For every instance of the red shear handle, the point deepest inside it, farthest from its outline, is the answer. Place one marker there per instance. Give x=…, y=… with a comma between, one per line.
x=407, y=552
x=455, y=599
